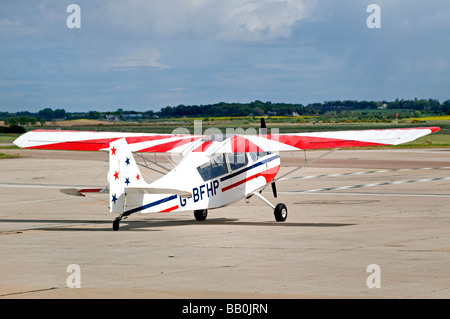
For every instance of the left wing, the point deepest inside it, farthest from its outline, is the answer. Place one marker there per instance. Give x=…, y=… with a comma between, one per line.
x=96, y=141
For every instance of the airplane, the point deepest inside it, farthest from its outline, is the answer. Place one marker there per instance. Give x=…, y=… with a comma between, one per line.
x=214, y=171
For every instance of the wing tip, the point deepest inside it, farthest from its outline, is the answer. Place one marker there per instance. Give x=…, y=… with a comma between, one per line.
x=434, y=129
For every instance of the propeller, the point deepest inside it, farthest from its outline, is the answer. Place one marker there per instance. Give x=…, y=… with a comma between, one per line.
x=263, y=126
x=263, y=130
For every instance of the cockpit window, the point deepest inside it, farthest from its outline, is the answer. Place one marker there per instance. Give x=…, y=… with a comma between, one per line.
x=257, y=155
x=214, y=168
x=237, y=160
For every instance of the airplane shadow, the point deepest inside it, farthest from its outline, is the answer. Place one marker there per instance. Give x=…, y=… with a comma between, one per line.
x=149, y=224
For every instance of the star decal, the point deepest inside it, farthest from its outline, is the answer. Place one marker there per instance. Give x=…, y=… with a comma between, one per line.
x=116, y=175
x=114, y=198
x=127, y=161
x=127, y=180
x=138, y=177
x=113, y=150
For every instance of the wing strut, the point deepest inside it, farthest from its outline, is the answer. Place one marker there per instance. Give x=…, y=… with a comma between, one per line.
x=306, y=164
x=153, y=162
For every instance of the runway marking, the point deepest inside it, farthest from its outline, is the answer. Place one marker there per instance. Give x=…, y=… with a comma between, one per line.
x=369, y=194
x=370, y=185
x=35, y=201
x=442, y=249
x=363, y=173
x=19, y=185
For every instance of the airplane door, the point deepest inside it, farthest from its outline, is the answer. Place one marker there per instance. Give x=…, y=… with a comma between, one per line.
x=238, y=162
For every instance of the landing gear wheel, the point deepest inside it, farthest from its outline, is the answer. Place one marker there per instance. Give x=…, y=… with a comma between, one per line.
x=280, y=212
x=116, y=224
x=200, y=214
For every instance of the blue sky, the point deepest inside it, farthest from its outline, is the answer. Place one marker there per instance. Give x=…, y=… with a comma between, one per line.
x=144, y=55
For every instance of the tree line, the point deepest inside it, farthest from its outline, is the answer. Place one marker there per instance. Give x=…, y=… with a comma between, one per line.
x=223, y=109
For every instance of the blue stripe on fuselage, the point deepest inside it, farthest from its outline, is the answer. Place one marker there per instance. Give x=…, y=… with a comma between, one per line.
x=264, y=161
x=137, y=209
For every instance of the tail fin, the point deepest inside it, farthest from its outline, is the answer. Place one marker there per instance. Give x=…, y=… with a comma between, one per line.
x=123, y=172
x=127, y=187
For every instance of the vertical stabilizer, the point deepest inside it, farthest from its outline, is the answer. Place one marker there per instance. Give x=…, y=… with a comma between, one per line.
x=123, y=172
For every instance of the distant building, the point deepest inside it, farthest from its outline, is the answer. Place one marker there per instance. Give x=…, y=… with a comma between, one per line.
x=112, y=118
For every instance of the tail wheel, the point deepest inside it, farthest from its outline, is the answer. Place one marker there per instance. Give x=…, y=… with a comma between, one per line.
x=116, y=224
x=280, y=212
x=200, y=214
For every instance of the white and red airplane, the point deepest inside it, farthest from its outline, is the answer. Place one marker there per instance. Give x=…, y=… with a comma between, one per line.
x=215, y=170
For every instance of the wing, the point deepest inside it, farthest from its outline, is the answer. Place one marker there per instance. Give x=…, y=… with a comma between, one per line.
x=161, y=143
x=96, y=141
x=320, y=140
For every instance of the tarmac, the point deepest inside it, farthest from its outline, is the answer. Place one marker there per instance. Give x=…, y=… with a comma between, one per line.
x=361, y=224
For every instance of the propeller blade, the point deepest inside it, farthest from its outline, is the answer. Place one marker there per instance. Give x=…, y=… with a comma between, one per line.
x=274, y=189
x=263, y=129
x=263, y=123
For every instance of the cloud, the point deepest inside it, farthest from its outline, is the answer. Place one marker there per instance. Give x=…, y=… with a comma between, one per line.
x=236, y=20
x=262, y=20
x=136, y=59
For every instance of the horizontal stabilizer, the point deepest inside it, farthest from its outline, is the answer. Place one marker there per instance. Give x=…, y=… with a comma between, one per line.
x=82, y=191
x=154, y=190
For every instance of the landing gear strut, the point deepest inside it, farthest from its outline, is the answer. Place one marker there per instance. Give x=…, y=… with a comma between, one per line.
x=279, y=211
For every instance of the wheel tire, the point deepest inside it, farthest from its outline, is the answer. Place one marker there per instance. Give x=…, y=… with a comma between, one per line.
x=200, y=214
x=116, y=224
x=280, y=212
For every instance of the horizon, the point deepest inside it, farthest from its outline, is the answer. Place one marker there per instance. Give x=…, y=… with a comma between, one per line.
x=441, y=103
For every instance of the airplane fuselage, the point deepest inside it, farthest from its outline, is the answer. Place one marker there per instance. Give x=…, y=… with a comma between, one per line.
x=213, y=182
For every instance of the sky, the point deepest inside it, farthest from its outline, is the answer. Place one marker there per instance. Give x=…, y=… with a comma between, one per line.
x=144, y=55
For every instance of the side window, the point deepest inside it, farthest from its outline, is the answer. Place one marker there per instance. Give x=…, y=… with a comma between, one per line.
x=255, y=156
x=237, y=160
x=214, y=168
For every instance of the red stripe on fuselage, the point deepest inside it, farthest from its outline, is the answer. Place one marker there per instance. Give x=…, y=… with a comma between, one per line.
x=169, y=209
x=269, y=175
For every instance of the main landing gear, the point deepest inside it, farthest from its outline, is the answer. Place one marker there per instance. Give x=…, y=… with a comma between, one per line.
x=200, y=214
x=280, y=211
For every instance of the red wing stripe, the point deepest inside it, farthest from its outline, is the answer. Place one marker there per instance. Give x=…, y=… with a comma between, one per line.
x=308, y=142
x=165, y=147
x=203, y=147
x=240, y=144
x=96, y=144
